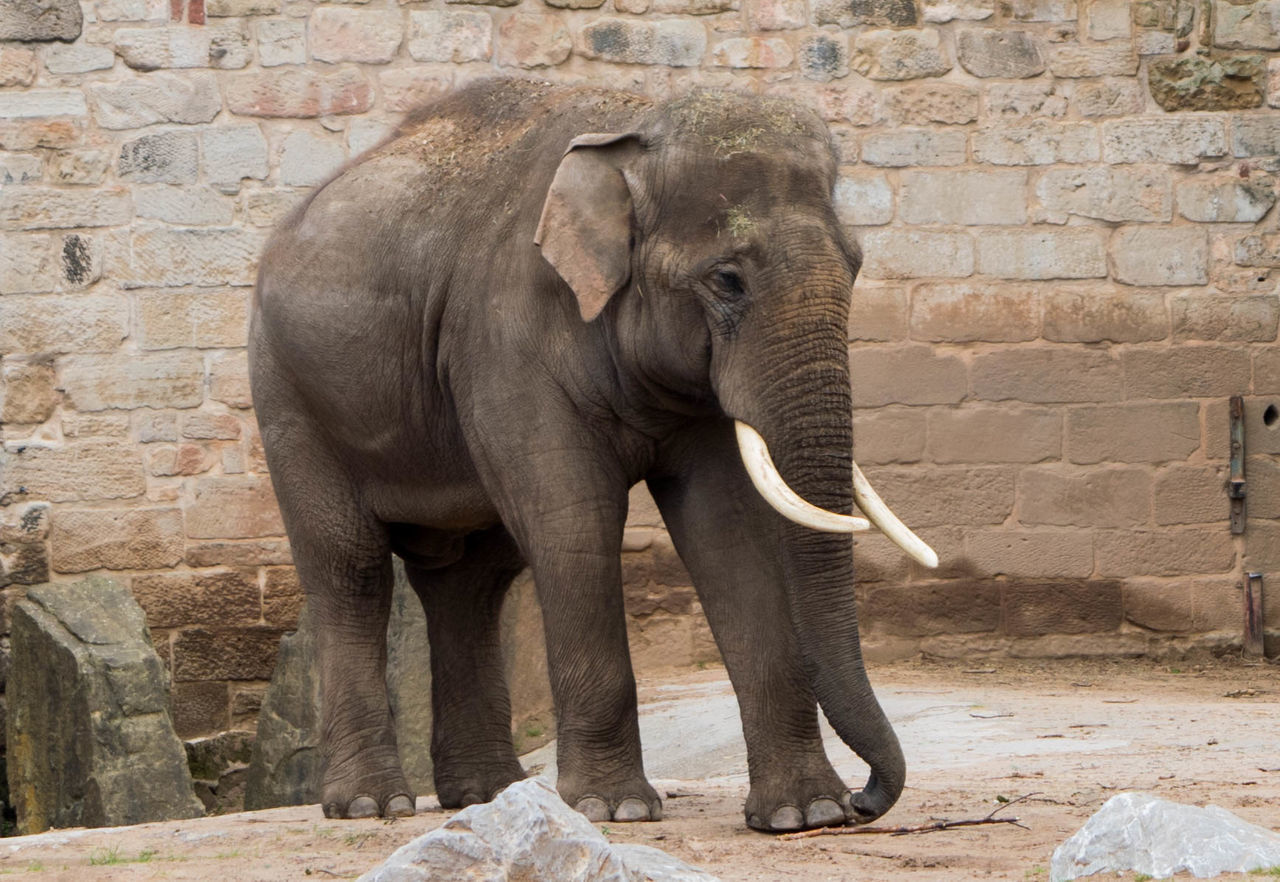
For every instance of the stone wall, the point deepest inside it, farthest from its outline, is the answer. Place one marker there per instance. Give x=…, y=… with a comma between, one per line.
x=1067, y=211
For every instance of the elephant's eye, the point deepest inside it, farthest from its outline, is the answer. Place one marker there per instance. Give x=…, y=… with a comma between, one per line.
x=728, y=282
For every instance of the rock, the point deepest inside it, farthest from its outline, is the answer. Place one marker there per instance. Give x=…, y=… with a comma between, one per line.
x=219, y=766
x=89, y=732
x=1139, y=832
x=285, y=769
x=1000, y=53
x=528, y=832
x=41, y=20
x=1197, y=83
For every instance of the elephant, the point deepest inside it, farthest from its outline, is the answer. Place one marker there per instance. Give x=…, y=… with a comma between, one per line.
x=466, y=348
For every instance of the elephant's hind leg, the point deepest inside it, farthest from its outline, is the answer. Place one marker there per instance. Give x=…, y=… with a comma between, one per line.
x=471, y=748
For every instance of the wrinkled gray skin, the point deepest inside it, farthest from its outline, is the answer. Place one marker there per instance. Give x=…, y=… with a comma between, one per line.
x=429, y=384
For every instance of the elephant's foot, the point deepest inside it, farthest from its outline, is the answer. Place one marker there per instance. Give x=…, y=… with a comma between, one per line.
x=804, y=803
x=623, y=801
x=368, y=785
x=461, y=788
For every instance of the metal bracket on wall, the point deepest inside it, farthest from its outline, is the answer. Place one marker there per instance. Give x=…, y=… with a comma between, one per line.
x=1235, y=484
x=1253, y=634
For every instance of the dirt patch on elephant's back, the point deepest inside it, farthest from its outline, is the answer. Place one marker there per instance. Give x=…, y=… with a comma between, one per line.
x=1066, y=735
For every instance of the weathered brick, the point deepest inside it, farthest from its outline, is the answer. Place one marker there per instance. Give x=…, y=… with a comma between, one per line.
x=1262, y=474
x=241, y=507
x=149, y=426
x=55, y=324
x=281, y=42
x=777, y=15
x=889, y=435
x=1082, y=607
x=307, y=159
x=752, y=52
x=914, y=147
x=186, y=459
x=1143, y=255
x=28, y=134
x=1007, y=54
x=665, y=7
x=916, y=103
x=160, y=97
x=878, y=314
x=232, y=153
x=1254, y=25
x=1225, y=319
x=225, y=653
x=225, y=47
x=1183, y=140
x=239, y=553
x=1226, y=200
x=88, y=166
x=963, y=197
x=282, y=597
x=1047, y=375
x=1159, y=605
x=532, y=41
x=1266, y=370
x=86, y=471
x=1040, y=10
x=1108, y=315
x=37, y=263
x=1108, y=97
x=1263, y=250
x=895, y=253
x=1110, y=19
x=1020, y=100
x=29, y=392
x=192, y=256
x=238, y=8
x=23, y=535
x=199, y=708
x=1061, y=496
x=41, y=20
x=77, y=58
x=38, y=208
x=825, y=57
x=899, y=55
x=174, y=319
x=1262, y=554
x=371, y=36
x=864, y=199
x=203, y=425
x=921, y=610
x=266, y=208
x=946, y=496
x=1037, y=554
x=406, y=88
x=1126, y=194
x=1037, y=253
x=217, y=597
x=1273, y=82
x=670, y=42
x=848, y=13
x=299, y=93
x=1176, y=552
x=988, y=434
x=183, y=205
x=229, y=379
x=124, y=380
x=942, y=11
x=1067, y=60
x=1255, y=134
x=1132, y=432
x=131, y=10
x=905, y=375
x=1192, y=494
x=965, y=313
x=93, y=425
x=1186, y=372
x=450, y=36
x=20, y=169
x=1038, y=142
x=163, y=157
x=17, y=66
x=115, y=539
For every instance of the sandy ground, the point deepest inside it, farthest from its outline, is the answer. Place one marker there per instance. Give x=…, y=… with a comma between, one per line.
x=1066, y=736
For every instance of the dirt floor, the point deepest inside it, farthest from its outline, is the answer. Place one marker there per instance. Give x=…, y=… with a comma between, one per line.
x=1059, y=737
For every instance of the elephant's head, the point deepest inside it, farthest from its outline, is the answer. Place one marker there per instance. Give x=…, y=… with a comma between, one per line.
x=709, y=240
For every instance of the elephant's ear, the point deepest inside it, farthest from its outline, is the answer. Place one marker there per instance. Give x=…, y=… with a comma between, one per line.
x=585, y=231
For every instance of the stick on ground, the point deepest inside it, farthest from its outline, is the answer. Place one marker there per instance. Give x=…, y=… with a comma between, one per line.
x=931, y=827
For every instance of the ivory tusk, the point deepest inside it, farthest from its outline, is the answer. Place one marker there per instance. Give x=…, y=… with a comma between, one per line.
x=771, y=485
x=764, y=475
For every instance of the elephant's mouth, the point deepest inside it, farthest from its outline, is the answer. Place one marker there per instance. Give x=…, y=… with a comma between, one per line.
x=773, y=487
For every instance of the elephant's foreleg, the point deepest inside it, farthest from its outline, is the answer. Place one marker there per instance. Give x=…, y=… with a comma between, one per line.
x=471, y=749
x=730, y=541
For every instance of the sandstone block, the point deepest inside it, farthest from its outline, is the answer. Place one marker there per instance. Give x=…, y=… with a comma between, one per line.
x=195, y=206
x=203, y=425
x=221, y=597
x=160, y=97
x=999, y=53
x=1253, y=25
x=234, y=508
x=1255, y=134
x=229, y=379
x=1263, y=552
x=30, y=393
x=1176, y=552
x=1096, y=316
x=878, y=314
x=1226, y=200
x=41, y=21
x=282, y=597
x=905, y=375
x=173, y=319
x=1060, y=496
x=225, y=653
x=1111, y=194
x=24, y=553
x=1047, y=375
x=670, y=42
x=30, y=133
x=1273, y=82
x=904, y=254
x=192, y=256
x=917, y=103
x=899, y=55
x=124, y=380
x=1107, y=97
x=37, y=208
x=752, y=52
x=1186, y=372
x=225, y=47
x=76, y=323
x=1083, y=607
x=116, y=539
x=889, y=435
x=1263, y=473
x=239, y=553
x=77, y=59
x=942, y=11
x=1065, y=253
x=1040, y=554
x=199, y=708
x=947, y=496
x=370, y=36
x=1040, y=10
x=1070, y=61
x=232, y=153
x=36, y=263
x=1171, y=140
x=864, y=199
x=1159, y=606
x=915, y=147
x=1110, y=20
x=364, y=134
x=1160, y=256
x=825, y=57
x=990, y=435
x=238, y=8
x=19, y=169
x=964, y=197
x=1038, y=142
x=1225, y=319
x=90, y=739
x=90, y=470
x=777, y=15
x=964, y=313
x=1133, y=432
x=923, y=610
x=165, y=157
x=299, y=93
x=87, y=166
x=185, y=460
x=307, y=160
x=407, y=88
x=1192, y=494
x=17, y=66
x=131, y=10
x=1262, y=250
x=531, y=41
x=1266, y=370
x=849, y=13
x=450, y=36
x=1019, y=100
x=281, y=42
x=1198, y=83
x=150, y=426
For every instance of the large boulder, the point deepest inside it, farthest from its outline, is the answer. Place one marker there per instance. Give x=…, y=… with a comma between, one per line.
x=285, y=769
x=89, y=731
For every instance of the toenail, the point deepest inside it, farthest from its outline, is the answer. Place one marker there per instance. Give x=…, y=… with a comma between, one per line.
x=632, y=809
x=362, y=807
x=595, y=808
